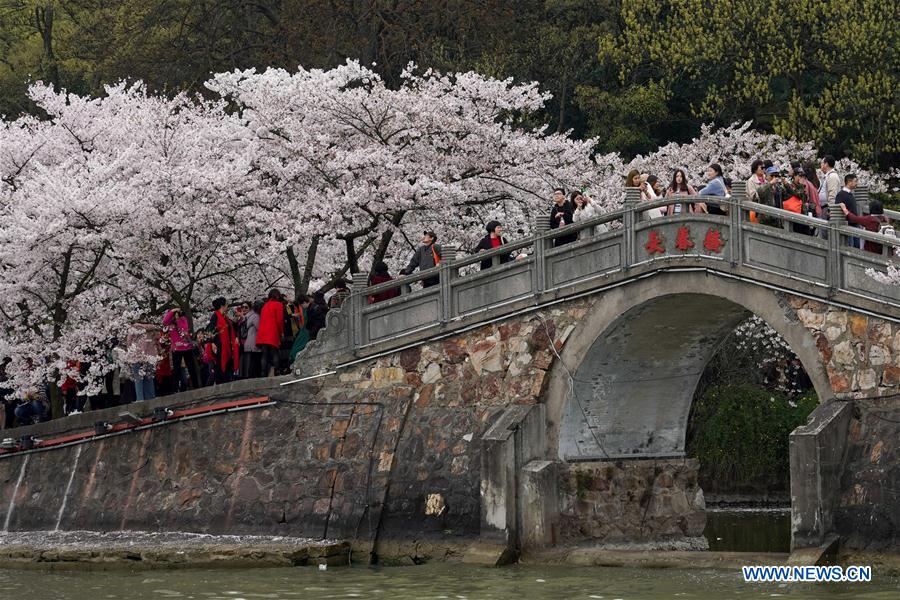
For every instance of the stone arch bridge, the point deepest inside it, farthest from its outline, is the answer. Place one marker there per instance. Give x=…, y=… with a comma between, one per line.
x=540, y=401
x=595, y=349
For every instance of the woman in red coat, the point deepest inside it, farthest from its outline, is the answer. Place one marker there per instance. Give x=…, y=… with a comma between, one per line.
x=224, y=340
x=271, y=330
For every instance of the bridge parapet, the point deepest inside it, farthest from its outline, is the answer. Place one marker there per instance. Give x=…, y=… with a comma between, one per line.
x=612, y=250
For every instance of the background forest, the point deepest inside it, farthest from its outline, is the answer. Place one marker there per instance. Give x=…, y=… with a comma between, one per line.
x=635, y=73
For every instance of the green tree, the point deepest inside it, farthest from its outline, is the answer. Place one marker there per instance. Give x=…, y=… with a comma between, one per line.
x=810, y=69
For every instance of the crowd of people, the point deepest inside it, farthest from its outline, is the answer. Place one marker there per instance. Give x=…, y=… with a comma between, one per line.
x=262, y=338
x=796, y=188
x=242, y=340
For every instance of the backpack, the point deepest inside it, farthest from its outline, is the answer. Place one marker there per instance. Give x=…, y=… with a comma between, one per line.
x=887, y=229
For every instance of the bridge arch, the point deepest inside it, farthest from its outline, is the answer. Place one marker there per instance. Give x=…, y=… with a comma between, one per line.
x=627, y=376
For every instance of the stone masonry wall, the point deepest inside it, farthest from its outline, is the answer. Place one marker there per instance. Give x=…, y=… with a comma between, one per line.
x=861, y=353
x=631, y=501
x=386, y=449
x=390, y=448
x=866, y=513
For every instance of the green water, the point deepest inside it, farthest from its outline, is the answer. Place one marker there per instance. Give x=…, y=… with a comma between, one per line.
x=438, y=581
x=765, y=530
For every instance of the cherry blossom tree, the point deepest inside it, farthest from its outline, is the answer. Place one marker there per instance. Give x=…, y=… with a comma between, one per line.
x=348, y=159
x=114, y=209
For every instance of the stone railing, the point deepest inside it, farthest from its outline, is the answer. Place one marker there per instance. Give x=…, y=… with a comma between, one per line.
x=612, y=249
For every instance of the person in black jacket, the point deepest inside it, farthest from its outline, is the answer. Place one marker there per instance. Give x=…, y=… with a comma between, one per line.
x=846, y=197
x=561, y=215
x=427, y=256
x=494, y=239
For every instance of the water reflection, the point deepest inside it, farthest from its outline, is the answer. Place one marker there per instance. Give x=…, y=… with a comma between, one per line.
x=749, y=529
x=437, y=581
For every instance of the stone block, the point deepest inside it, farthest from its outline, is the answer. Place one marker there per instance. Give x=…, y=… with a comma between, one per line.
x=891, y=376
x=844, y=353
x=384, y=376
x=486, y=355
x=879, y=355
x=432, y=373
x=859, y=325
x=879, y=332
x=866, y=379
x=839, y=381
x=810, y=318
x=409, y=358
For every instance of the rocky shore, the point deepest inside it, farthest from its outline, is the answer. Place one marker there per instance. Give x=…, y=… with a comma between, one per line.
x=143, y=550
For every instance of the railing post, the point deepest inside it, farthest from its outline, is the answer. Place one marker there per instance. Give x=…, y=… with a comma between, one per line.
x=736, y=218
x=836, y=220
x=538, y=274
x=447, y=274
x=861, y=195
x=357, y=301
x=629, y=219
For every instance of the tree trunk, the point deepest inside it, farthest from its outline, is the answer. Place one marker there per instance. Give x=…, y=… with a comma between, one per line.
x=385, y=240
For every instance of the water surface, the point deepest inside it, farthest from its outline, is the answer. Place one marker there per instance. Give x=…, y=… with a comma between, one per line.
x=431, y=581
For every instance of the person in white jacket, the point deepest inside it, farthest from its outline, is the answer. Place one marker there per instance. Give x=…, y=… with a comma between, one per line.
x=648, y=194
x=586, y=209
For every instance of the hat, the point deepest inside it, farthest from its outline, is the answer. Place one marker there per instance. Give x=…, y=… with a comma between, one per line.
x=773, y=171
x=492, y=225
x=430, y=234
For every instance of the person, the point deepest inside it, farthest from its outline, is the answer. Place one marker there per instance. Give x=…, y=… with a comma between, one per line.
x=678, y=187
x=757, y=177
x=494, y=239
x=207, y=357
x=7, y=404
x=250, y=356
x=271, y=332
x=341, y=293
x=846, y=197
x=164, y=374
x=142, y=355
x=875, y=222
x=34, y=406
x=809, y=169
x=831, y=183
x=771, y=193
x=301, y=337
x=797, y=200
x=176, y=326
x=72, y=402
x=317, y=313
x=633, y=179
x=585, y=210
x=224, y=341
x=561, y=215
x=715, y=186
x=427, y=256
x=380, y=275
x=648, y=194
x=811, y=189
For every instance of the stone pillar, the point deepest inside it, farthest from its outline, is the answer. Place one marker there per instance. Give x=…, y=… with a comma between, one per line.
x=517, y=437
x=836, y=215
x=538, y=279
x=540, y=503
x=735, y=220
x=816, y=458
x=629, y=219
x=357, y=301
x=447, y=274
x=861, y=195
